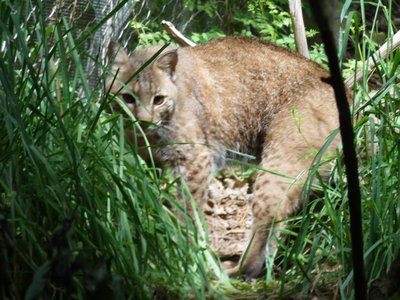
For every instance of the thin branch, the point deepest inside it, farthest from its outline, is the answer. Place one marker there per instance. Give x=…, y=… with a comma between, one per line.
x=176, y=35
x=381, y=54
x=298, y=27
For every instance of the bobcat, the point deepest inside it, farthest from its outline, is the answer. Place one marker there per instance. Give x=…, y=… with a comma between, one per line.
x=239, y=94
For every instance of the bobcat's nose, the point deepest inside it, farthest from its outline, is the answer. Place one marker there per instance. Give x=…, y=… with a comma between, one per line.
x=144, y=115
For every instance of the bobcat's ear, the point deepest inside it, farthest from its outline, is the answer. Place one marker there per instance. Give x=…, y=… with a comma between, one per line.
x=117, y=55
x=120, y=64
x=167, y=61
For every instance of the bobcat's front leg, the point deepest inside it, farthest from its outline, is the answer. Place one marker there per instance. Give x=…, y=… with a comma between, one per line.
x=194, y=166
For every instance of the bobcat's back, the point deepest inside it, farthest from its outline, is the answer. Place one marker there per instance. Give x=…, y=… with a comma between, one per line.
x=243, y=84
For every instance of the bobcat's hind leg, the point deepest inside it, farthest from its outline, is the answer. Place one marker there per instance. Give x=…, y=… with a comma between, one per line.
x=275, y=198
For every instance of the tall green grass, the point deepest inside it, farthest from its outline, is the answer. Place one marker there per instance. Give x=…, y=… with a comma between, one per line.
x=378, y=141
x=81, y=215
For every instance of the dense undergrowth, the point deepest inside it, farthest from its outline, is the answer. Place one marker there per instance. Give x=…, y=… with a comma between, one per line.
x=81, y=215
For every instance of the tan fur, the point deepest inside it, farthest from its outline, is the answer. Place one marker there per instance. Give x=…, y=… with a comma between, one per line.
x=235, y=94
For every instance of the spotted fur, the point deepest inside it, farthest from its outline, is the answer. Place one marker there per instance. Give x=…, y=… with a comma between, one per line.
x=235, y=94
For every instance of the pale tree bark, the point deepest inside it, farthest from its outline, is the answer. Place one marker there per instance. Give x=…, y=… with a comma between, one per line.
x=298, y=27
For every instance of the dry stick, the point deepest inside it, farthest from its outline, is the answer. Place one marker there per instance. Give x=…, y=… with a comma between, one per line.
x=381, y=54
x=346, y=130
x=298, y=27
x=176, y=35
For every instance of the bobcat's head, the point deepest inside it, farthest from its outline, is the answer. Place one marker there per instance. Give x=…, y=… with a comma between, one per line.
x=151, y=94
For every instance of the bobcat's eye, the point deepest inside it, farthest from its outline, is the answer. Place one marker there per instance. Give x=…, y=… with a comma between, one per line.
x=128, y=98
x=158, y=100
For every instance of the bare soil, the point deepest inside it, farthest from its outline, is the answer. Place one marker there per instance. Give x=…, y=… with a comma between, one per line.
x=228, y=216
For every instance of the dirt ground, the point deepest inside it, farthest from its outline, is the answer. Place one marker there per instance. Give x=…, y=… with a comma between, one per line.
x=228, y=216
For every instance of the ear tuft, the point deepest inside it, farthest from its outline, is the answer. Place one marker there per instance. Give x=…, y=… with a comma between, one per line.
x=167, y=61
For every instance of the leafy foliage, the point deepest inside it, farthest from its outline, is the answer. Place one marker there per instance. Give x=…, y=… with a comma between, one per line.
x=266, y=19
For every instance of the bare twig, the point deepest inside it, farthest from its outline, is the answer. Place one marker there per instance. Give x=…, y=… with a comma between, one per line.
x=298, y=27
x=381, y=54
x=176, y=35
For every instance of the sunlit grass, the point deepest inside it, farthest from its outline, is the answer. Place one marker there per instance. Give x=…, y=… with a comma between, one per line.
x=82, y=215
